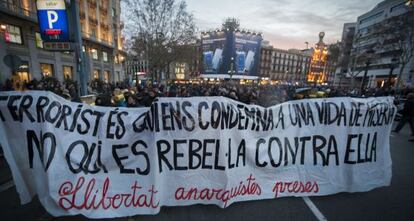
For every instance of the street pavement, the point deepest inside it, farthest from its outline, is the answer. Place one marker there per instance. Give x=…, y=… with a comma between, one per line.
x=395, y=202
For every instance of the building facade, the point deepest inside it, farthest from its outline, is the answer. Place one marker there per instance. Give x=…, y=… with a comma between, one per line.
x=102, y=43
x=188, y=67
x=284, y=65
x=366, y=38
x=136, y=70
x=341, y=73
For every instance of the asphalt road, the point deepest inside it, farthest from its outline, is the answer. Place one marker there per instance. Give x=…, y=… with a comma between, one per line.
x=388, y=203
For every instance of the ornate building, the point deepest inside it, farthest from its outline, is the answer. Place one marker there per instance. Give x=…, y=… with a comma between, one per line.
x=284, y=65
x=318, y=72
x=101, y=34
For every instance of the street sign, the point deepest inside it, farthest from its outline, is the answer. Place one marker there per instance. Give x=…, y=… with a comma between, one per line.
x=53, y=20
x=57, y=46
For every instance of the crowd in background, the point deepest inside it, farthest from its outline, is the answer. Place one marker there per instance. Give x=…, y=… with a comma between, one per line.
x=123, y=94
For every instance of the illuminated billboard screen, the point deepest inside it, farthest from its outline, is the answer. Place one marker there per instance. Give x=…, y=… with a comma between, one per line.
x=233, y=53
x=247, y=51
x=213, y=46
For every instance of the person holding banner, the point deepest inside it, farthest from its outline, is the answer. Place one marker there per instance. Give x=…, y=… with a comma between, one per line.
x=408, y=115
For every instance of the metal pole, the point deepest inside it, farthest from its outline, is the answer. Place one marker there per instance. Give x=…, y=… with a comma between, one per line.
x=3, y=53
x=390, y=78
x=135, y=72
x=365, y=76
x=80, y=68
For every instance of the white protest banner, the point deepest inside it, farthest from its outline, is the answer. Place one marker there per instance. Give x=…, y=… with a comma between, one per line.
x=113, y=162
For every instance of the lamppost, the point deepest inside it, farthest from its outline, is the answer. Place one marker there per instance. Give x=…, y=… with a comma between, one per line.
x=367, y=63
x=410, y=78
x=231, y=72
x=3, y=51
x=393, y=65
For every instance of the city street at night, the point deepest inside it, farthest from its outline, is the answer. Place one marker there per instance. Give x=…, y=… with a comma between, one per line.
x=206, y=110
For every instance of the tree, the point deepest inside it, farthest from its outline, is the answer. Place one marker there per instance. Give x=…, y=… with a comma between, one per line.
x=397, y=38
x=333, y=58
x=359, y=58
x=160, y=31
x=353, y=63
x=231, y=24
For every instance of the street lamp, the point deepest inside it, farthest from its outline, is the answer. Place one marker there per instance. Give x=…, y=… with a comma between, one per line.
x=393, y=65
x=410, y=77
x=367, y=63
x=231, y=67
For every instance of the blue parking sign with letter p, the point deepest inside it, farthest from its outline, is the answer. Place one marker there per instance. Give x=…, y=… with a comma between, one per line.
x=53, y=20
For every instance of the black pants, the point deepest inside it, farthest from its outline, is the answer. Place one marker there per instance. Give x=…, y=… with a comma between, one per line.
x=403, y=121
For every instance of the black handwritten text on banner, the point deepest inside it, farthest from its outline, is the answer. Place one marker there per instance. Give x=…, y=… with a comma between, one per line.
x=111, y=162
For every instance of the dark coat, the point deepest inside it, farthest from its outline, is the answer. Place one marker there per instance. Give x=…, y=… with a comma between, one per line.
x=409, y=108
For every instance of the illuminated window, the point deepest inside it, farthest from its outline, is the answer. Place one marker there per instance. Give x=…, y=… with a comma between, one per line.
x=47, y=69
x=95, y=74
x=179, y=71
x=13, y=34
x=106, y=76
x=68, y=72
x=105, y=56
x=94, y=53
x=83, y=26
x=39, y=41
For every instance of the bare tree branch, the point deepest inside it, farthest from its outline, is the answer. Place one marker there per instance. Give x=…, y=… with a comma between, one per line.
x=161, y=29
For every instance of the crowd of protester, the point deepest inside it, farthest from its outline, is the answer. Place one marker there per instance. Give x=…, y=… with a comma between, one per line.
x=67, y=89
x=122, y=94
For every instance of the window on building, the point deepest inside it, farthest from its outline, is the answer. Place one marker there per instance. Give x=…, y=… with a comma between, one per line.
x=46, y=69
x=118, y=74
x=398, y=7
x=83, y=26
x=106, y=76
x=94, y=53
x=93, y=32
x=39, y=41
x=180, y=71
x=105, y=56
x=370, y=18
x=68, y=72
x=96, y=74
x=113, y=12
x=21, y=75
x=13, y=34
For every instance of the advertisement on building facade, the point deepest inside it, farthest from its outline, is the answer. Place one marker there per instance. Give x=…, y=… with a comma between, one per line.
x=214, y=45
x=231, y=53
x=247, y=50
